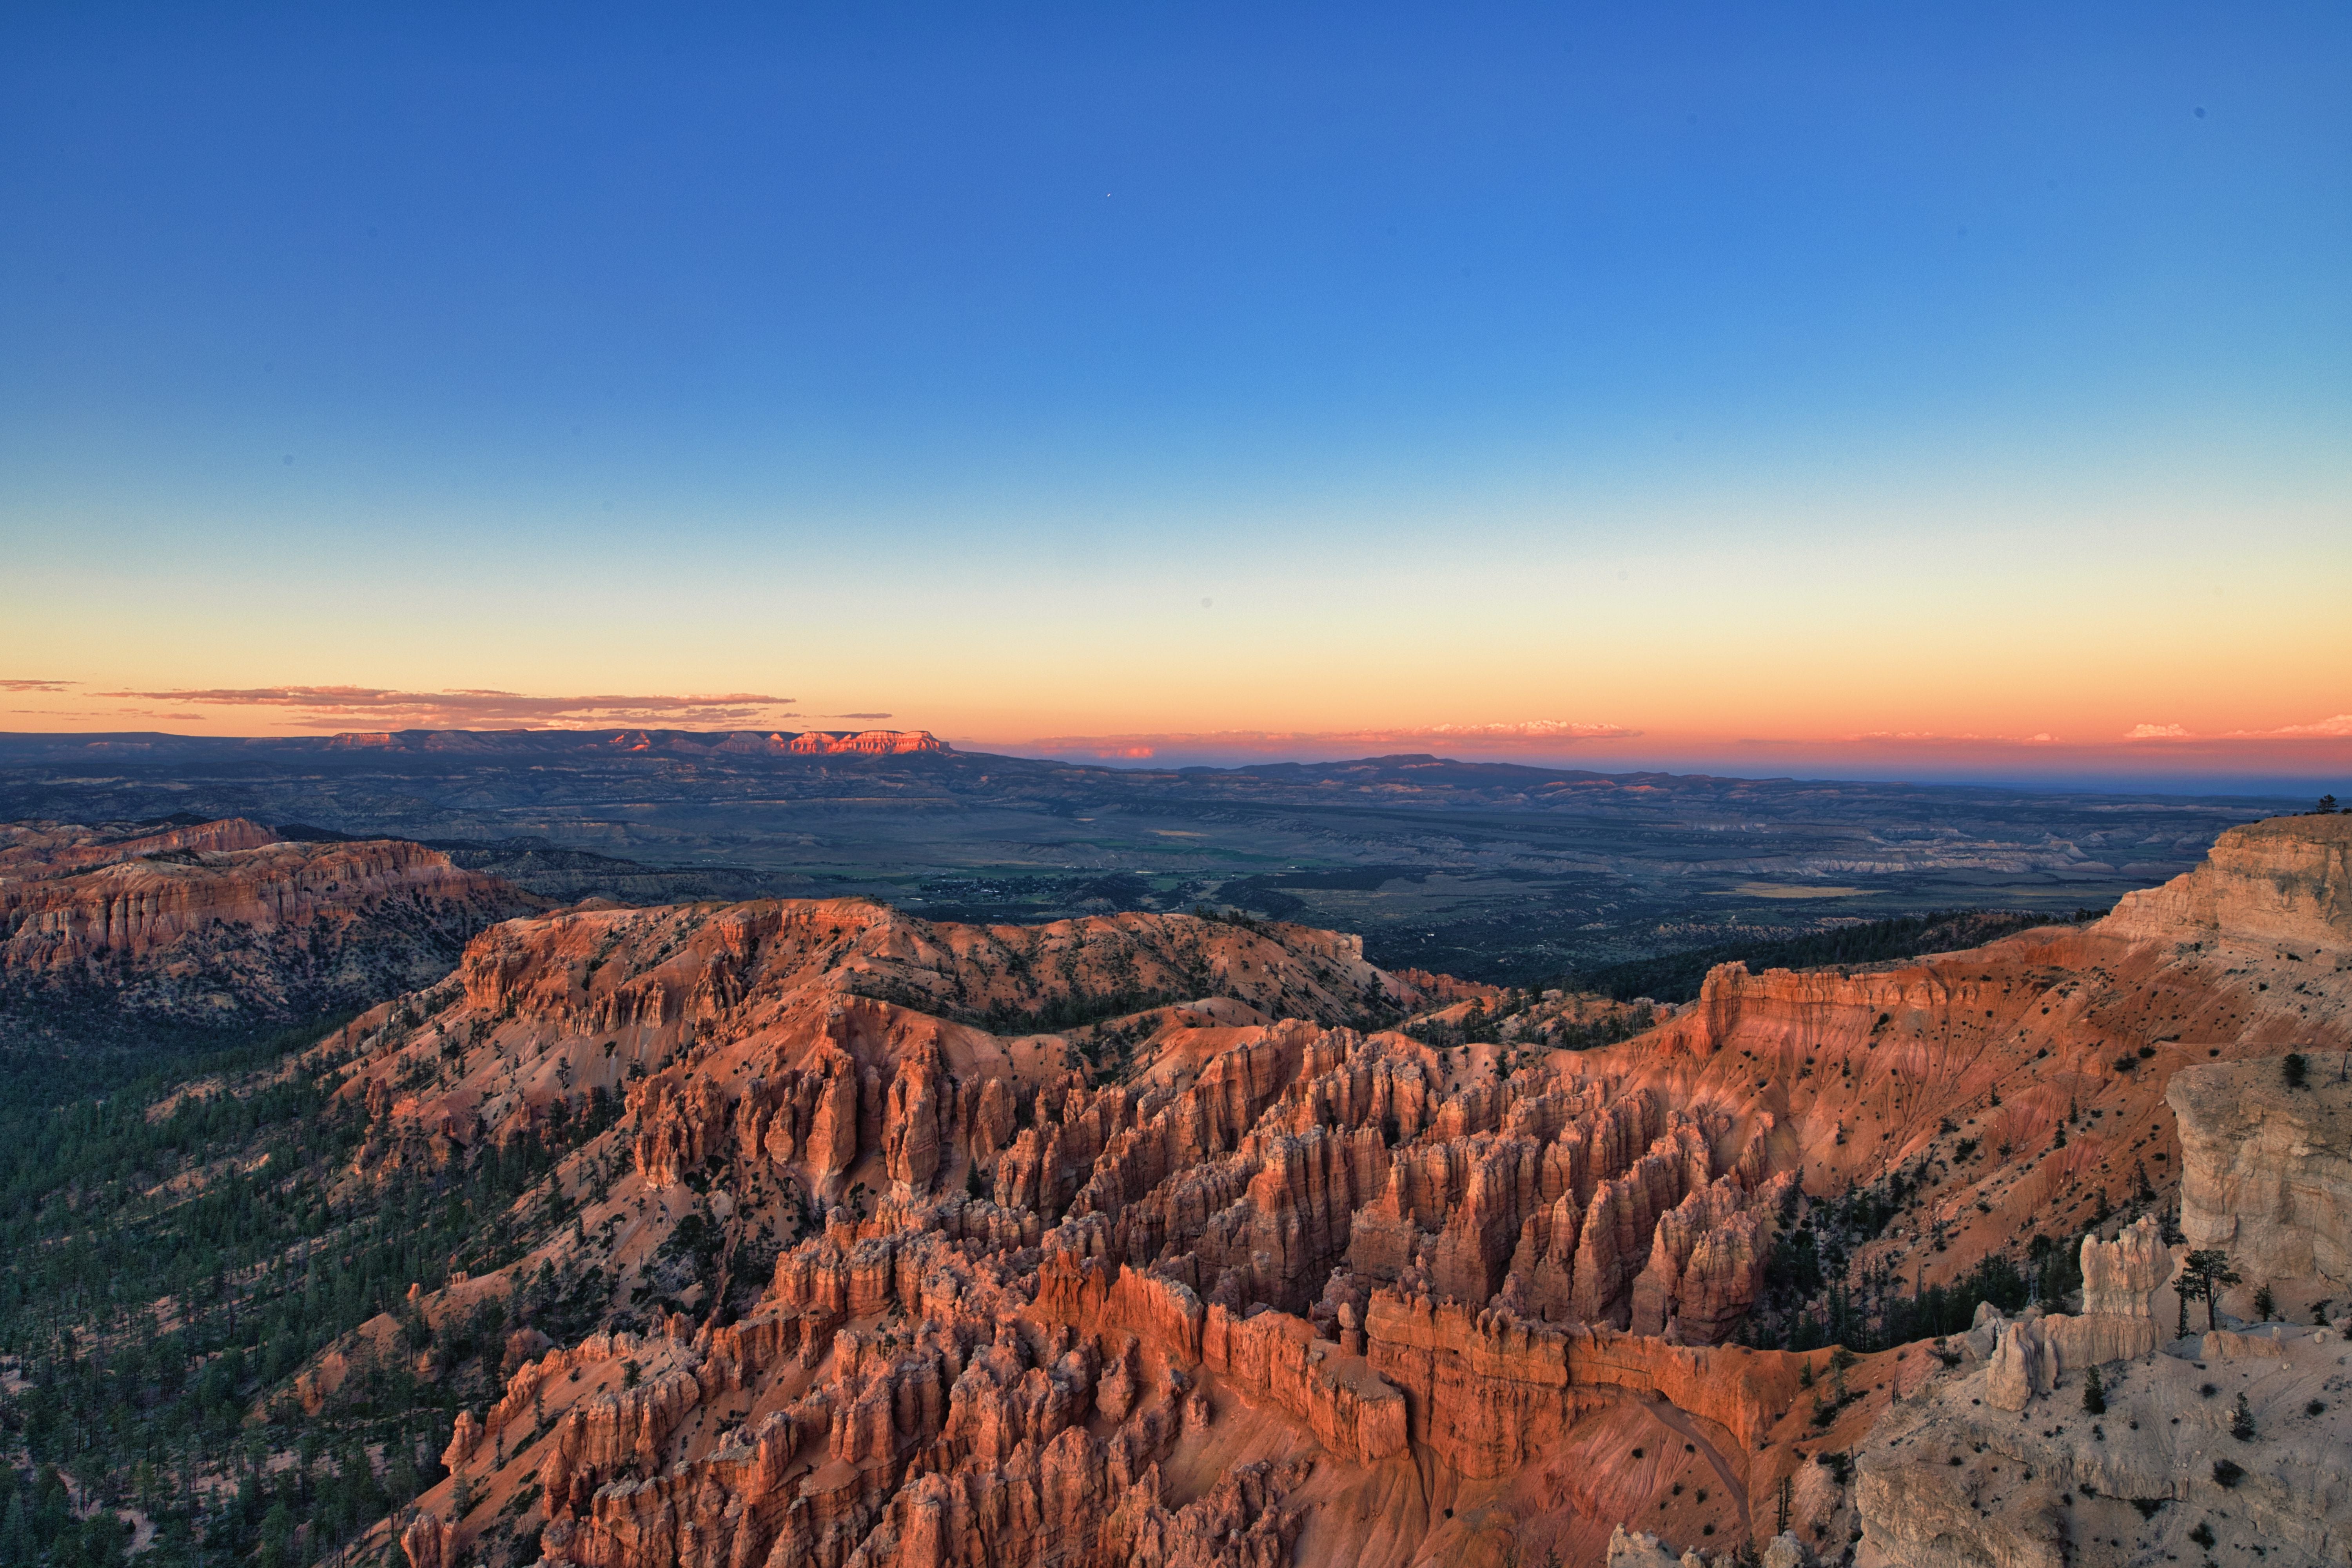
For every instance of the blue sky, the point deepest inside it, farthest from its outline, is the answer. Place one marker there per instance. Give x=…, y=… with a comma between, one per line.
x=1018, y=313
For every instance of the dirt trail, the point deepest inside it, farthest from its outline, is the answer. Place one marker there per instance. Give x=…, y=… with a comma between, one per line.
x=1672, y=1418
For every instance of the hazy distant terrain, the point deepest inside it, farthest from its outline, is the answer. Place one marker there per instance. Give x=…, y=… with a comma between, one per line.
x=1493, y=870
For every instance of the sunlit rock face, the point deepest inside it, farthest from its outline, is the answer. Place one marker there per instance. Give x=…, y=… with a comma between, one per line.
x=2286, y=879
x=218, y=923
x=1241, y=1274
x=2267, y=1172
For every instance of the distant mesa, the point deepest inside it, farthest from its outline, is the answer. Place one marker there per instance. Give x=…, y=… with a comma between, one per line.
x=738, y=743
x=871, y=742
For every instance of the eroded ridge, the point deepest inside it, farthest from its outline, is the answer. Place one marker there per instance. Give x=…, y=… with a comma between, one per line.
x=1243, y=1277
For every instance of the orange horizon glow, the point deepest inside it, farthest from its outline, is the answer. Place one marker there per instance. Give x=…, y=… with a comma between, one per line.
x=2316, y=748
x=1878, y=400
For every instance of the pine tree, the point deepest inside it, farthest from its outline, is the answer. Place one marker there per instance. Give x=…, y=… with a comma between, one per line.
x=2209, y=1270
x=2095, y=1393
x=278, y=1536
x=16, y=1533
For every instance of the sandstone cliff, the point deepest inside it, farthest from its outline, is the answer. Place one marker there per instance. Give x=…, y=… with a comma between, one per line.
x=2026, y=1080
x=2286, y=879
x=2268, y=1175
x=222, y=923
x=1237, y=1276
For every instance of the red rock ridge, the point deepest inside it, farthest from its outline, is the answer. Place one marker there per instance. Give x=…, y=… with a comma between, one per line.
x=1158, y=1269
x=865, y=742
x=208, y=921
x=1271, y=1290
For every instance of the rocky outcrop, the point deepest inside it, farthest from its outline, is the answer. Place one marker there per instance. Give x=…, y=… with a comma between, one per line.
x=1639, y=1548
x=2286, y=879
x=1949, y=1477
x=1707, y=1259
x=2120, y=1280
x=1490, y=1392
x=219, y=924
x=1337, y=1396
x=2267, y=1168
x=429, y=1541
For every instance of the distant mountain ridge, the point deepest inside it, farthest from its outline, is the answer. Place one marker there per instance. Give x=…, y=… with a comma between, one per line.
x=736, y=742
x=1505, y=872
x=26, y=744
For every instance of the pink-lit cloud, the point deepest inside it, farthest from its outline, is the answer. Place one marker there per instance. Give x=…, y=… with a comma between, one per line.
x=111, y=713
x=37, y=685
x=340, y=707
x=2158, y=732
x=2336, y=728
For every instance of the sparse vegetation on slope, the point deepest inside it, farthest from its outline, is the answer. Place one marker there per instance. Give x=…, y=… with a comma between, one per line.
x=1675, y=976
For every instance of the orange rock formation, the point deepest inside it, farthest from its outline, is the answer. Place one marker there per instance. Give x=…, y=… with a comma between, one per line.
x=1249, y=1281
x=206, y=921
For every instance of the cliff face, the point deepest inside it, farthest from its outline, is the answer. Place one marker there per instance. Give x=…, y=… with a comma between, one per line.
x=2027, y=1079
x=1231, y=1277
x=2267, y=1172
x=222, y=922
x=2287, y=879
x=865, y=742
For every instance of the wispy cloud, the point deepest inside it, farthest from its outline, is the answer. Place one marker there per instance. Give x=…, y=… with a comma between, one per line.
x=1533, y=735
x=177, y=715
x=2158, y=732
x=2336, y=728
x=340, y=706
x=37, y=685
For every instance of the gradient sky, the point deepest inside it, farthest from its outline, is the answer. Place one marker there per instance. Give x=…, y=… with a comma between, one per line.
x=1872, y=388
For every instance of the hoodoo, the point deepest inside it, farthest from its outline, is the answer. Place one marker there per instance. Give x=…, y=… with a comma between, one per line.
x=1265, y=1278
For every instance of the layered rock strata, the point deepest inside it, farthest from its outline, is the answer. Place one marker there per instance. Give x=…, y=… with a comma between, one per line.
x=2267, y=1174
x=2120, y=1280
x=1206, y=1283
x=216, y=923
